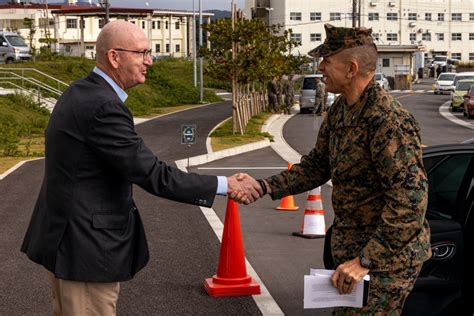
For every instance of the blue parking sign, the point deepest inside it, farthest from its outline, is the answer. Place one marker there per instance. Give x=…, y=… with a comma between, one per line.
x=188, y=134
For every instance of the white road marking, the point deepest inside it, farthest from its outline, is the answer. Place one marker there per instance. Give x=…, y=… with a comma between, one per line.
x=444, y=111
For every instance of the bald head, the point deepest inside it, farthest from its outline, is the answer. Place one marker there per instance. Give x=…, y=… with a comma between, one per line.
x=117, y=34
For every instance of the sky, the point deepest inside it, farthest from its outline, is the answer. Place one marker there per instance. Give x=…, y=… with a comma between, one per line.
x=177, y=4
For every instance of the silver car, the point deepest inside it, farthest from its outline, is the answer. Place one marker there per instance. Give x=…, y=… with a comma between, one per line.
x=382, y=81
x=308, y=92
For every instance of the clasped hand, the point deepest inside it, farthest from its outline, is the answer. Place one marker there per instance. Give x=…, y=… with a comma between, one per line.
x=242, y=188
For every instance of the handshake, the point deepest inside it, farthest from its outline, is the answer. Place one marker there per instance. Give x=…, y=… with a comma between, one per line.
x=242, y=188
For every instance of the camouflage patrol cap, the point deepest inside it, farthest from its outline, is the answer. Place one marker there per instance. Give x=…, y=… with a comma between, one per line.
x=339, y=38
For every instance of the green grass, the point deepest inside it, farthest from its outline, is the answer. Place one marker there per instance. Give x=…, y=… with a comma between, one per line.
x=223, y=138
x=169, y=82
x=22, y=124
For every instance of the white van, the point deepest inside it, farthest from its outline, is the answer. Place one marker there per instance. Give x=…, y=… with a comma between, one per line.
x=308, y=92
x=13, y=47
x=440, y=60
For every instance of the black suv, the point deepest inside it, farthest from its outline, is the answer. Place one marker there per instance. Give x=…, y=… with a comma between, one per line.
x=446, y=284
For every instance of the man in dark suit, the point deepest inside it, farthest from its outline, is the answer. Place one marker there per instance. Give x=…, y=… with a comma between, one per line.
x=85, y=228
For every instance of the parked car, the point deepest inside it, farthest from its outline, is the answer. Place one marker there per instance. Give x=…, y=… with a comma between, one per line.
x=13, y=47
x=468, y=109
x=457, y=96
x=444, y=83
x=307, y=93
x=444, y=286
x=382, y=81
x=440, y=60
x=463, y=75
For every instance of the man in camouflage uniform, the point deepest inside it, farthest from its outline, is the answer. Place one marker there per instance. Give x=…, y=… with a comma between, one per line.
x=370, y=148
x=289, y=92
x=272, y=91
x=318, y=96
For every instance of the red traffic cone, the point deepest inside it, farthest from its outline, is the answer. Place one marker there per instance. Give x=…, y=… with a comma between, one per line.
x=313, y=225
x=287, y=203
x=231, y=278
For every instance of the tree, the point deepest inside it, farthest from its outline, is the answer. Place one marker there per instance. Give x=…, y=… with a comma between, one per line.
x=30, y=24
x=260, y=52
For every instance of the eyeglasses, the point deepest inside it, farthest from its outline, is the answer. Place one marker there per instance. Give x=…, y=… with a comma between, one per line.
x=146, y=53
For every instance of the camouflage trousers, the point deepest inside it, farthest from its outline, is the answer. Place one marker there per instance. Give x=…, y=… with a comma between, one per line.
x=318, y=106
x=387, y=293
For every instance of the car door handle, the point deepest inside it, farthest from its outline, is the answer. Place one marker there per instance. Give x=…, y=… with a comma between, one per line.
x=443, y=251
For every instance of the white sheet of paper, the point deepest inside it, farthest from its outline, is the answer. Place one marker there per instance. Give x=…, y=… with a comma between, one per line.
x=319, y=292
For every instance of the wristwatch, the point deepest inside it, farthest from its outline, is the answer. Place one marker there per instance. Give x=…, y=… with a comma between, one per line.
x=364, y=262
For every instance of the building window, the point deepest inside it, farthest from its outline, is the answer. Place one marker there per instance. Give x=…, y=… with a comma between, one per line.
x=177, y=48
x=71, y=23
x=334, y=16
x=295, y=37
x=101, y=23
x=440, y=36
x=456, y=56
x=456, y=36
x=412, y=17
x=440, y=16
x=391, y=16
x=167, y=48
x=315, y=16
x=471, y=56
x=143, y=24
x=133, y=22
x=158, y=25
x=158, y=48
x=412, y=36
x=471, y=16
x=471, y=36
x=153, y=24
x=428, y=16
x=386, y=62
x=426, y=37
x=90, y=47
x=315, y=37
x=392, y=37
x=176, y=25
x=166, y=25
x=295, y=16
x=376, y=36
x=456, y=17
x=373, y=16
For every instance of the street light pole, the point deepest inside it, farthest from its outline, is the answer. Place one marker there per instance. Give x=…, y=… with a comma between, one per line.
x=201, y=84
x=194, y=47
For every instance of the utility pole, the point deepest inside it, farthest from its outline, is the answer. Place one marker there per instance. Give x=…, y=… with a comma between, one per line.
x=105, y=5
x=354, y=13
x=201, y=84
x=194, y=47
x=359, y=14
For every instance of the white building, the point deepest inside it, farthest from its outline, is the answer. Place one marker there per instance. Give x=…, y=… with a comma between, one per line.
x=170, y=32
x=439, y=27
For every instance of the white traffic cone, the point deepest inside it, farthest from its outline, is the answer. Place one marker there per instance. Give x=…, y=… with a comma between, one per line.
x=313, y=225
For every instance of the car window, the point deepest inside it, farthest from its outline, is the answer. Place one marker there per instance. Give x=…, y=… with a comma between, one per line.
x=446, y=77
x=16, y=41
x=309, y=84
x=463, y=85
x=445, y=176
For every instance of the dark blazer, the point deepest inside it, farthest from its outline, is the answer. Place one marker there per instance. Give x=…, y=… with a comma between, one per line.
x=85, y=225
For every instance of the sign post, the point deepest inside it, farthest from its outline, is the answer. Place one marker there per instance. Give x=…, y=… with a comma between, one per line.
x=188, y=135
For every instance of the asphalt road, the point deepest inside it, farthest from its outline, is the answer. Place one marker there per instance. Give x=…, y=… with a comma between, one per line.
x=184, y=249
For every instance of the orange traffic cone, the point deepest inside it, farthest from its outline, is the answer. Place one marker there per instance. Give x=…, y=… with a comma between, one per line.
x=287, y=203
x=313, y=225
x=231, y=278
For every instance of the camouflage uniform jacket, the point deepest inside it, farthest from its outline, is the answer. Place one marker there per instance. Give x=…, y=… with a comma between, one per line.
x=320, y=90
x=372, y=153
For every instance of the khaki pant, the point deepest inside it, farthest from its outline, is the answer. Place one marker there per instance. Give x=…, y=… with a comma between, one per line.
x=83, y=298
